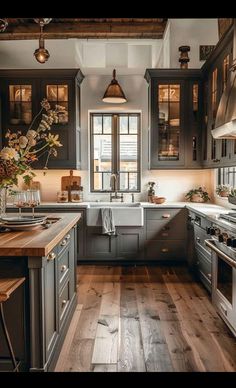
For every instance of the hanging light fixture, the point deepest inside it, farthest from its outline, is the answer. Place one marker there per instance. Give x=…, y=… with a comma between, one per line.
x=114, y=93
x=3, y=24
x=41, y=54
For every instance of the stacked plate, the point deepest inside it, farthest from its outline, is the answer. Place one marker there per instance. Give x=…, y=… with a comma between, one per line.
x=22, y=222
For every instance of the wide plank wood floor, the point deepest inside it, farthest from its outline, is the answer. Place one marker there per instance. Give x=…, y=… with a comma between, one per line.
x=145, y=318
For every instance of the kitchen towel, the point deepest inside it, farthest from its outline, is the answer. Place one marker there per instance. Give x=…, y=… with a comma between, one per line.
x=108, y=224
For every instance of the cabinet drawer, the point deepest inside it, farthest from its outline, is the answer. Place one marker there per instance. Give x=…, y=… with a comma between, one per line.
x=166, y=250
x=166, y=230
x=204, y=265
x=64, y=299
x=63, y=267
x=162, y=214
x=64, y=242
x=200, y=236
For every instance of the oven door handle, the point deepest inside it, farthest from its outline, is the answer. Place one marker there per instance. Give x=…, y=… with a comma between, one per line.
x=211, y=244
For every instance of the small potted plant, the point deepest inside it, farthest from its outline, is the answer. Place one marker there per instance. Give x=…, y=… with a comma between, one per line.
x=198, y=195
x=223, y=190
x=232, y=196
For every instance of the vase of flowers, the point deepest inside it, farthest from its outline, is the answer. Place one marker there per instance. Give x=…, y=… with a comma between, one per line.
x=17, y=157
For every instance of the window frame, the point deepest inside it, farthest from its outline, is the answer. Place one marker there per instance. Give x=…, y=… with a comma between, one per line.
x=115, y=139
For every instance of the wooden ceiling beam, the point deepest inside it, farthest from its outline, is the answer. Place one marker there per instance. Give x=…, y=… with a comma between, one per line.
x=85, y=30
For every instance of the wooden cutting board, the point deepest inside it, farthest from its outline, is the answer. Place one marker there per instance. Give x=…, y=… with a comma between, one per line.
x=68, y=181
x=34, y=185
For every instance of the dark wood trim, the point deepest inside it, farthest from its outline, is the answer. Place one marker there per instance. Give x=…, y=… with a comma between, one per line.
x=225, y=39
x=42, y=73
x=172, y=73
x=77, y=28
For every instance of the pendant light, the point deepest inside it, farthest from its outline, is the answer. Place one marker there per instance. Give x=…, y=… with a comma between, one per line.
x=41, y=54
x=114, y=93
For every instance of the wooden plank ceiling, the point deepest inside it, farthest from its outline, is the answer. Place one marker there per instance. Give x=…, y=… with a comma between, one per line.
x=98, y=28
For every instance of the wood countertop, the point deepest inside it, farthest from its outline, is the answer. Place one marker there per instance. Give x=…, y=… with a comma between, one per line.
x=39, y=241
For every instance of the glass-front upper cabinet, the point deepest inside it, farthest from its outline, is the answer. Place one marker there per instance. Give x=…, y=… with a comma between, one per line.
x=20, y=104
x=58, y=95
x=169, y=125
x=174, y=118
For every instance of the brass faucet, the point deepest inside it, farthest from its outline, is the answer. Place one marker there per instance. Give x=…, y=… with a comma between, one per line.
x=114, y=187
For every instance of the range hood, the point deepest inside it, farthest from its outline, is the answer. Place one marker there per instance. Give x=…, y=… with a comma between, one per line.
x=225, y=124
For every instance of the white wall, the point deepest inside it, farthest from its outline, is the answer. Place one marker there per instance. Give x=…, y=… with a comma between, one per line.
x=191, y=32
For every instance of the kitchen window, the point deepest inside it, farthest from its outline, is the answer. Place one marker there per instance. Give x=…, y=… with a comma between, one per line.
x=226, y=176
x=115, y=144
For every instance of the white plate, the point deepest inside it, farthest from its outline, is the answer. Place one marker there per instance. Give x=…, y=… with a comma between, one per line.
x=23, y=226
x=22, y=220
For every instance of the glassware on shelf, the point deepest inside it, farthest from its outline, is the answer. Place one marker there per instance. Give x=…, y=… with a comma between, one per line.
x=33, y=199
x=20, y=200
x=62, y=196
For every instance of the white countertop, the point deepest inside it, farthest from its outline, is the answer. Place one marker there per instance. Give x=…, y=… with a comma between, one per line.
x=201, y=208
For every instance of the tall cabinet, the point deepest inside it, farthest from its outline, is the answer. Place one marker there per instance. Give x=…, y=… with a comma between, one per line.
x=174, y=118
x=216, y=152
x=21, y=94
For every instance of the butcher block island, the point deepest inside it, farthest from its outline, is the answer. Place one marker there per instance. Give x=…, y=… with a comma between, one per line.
x=39, y=312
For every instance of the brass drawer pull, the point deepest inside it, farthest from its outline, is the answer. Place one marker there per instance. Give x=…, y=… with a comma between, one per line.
x=165, y=215
x=67, y=237
x=63, y=243
x=51, y=256
x=165, y=234
x=164, y=250
x=63, y=268
x=63, y=303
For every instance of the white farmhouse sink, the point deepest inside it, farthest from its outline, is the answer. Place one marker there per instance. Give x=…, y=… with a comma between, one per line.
x=114, y=204
x=125, y=214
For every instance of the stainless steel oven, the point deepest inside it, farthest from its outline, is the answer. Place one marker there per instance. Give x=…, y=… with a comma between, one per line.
x=223, y=282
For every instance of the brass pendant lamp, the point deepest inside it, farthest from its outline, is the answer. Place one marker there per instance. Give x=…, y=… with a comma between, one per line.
x=114, y=93
x=41, y=54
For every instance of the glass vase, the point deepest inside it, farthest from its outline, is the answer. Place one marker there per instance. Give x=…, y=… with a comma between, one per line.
x=3, y=201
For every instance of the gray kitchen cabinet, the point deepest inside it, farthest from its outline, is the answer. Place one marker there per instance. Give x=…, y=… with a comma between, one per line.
x=21, y=94
x=126, y=244
x=216, y=152
x=50, y=306
x=166, y=234
x=174, y=118
x=130, y=242
x=201, y=263
x=98, y=245
x=53, y=298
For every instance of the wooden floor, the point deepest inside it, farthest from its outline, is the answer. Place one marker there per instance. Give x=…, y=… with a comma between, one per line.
x=145, y=318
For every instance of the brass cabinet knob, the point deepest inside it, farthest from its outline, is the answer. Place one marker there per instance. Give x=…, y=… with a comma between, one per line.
x=63, y=268
x=166, y=215
x=51, y=256
x=198, y=239
x=67, y=237
x=63, y=303
x=63, y=243
x=164, y=250
x=165, y=234
x=209, y=275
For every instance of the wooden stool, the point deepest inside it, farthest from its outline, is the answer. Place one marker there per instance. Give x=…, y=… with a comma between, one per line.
x=7, y=286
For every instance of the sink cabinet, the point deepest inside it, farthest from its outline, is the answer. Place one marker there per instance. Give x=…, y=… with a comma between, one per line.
x=126, y=244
